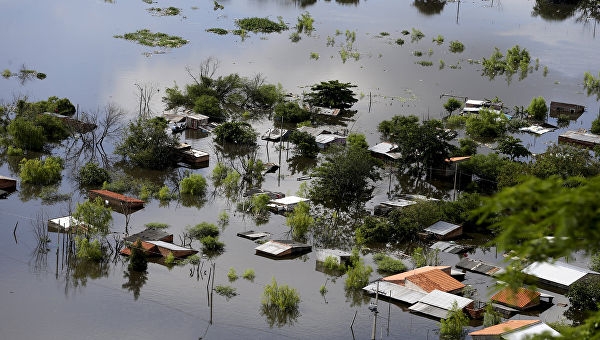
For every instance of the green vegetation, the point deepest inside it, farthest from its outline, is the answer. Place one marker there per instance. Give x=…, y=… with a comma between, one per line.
x=147, y=144
x=280, y=297
x=92, y=175
x=88, y=250
x=384, y=34
x=424, y=62
x=537, y=108
x=147, y=38
x=456, y=46
x=425, y=257
x=202, y=230
x=232, y=275
x=388, y=265
x=314, y=55
x=295, y=37
x=332, y=264
x=227, y=291
x=512, y=147
x=211, y=244
x=399, y=41
x=168, y=11
x=193, y=184
x=156, y=225
x=332, y=94
x=486, y=124
x=42, y=172
x=164, y=194
x=416, y=35
x=219, y=31
x=305, y=23
x=358, y=273
x=452, y=326
x=240, y=133
x=300, y=220
x=137, y=258
x=452, y=104
x=590, y=83
x=306, y=144
x=291, y=112
x=439, y=39
x=490, y=316
x=96, y=215
x=170, y=259
x=262, y=25
x=417, y=53
x=249, y=274
x=517, y=60
x=223, y=219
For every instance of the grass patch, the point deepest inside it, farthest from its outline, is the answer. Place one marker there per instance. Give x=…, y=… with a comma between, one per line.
x=399, y=41
x=216, y=30
x=262, y=25
x=314, y=55
x=156, y=225
x=384, y=34
x=147, y=38
x=227, y=291
x=424, y=63
x=439, y=39
x=416, y=35
x=249, y=274
x=232, y=275
x=456, y=46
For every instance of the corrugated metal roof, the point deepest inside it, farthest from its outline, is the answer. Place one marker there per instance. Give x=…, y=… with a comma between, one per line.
x=581, y=136
x=168, y=245
x=477, y=266
x=558, y=272
x=395, y=292
x=398, y=203
x=383, y=147
x=326, y=138
x=429, y=310
x=448, y=247
x=442, y=228
x=444, y=300
x=149, y=234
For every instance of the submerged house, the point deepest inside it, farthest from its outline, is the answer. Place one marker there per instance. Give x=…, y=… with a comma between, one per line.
x=287, y=203
x=282, y=249
x=427, y=279
x=438, y=303
x=558, y=275
x=161, y=248
x=66, y=224
x=385, y=151
x=8, y=184
x=196, y=121
x=513, y=330
x=118, y=202
x=442, y=230
x=150, y=234
x=573, y=111
x=582, y=138
x=520, y=299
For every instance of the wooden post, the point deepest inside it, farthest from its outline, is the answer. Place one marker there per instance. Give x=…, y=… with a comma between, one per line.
x=373, y=331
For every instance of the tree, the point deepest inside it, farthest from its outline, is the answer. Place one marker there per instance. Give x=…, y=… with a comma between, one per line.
x=332, y=94
x=300, y=220
x=421, y=145
x=512, y=147
x=44, y=172
x=345, y=180
x=452, y=105
x=201, y=230
x=491, y=317
x=91, y=174
x=565, y=161
x=595, y=125
x=538, y=108
x=291, y=112
x=96, y=215
x=584, y=294
x=209, y=106
x=486, y=124
x=466, y=147
x=306, y=144
x=26, y=135
x=137, y=259
x=239, y=133
x=194, y=184
x=146, y=143
x=357, y=140
x=453, y=325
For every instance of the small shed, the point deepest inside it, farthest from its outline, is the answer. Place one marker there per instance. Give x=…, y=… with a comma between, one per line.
x=253, y=235
x=196, y=121
x=521, y=298
x=450, y=247
x=194, y=156
x=573, y=111
x=166, y=247
x=442, y=230
x=8, y=184
x=282, y=248
x=477, y=266
x=513, y=330
x=395, y=292
x=287, y=203
x=583, y=138
x=438, y=303
x=150, y=234
x=341, y=257
x=66, y=224
x=118, y=202
x=325, y=140
x=558, y=274
x=385, y=151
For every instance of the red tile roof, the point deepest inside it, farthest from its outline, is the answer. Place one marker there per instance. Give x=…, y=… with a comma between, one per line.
x=521, y=298
x=146, y=247
x=116, y=196
x=400, y=277
x=435, y=279
x=505, y=327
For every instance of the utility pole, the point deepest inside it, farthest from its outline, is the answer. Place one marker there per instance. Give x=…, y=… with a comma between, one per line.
x=373, y=308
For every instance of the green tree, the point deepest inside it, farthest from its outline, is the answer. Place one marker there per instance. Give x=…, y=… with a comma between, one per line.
x=486, y=124
x=357, y=140
x=466, y=147
x=306, y=144
x=193, y=184
x=146, y=143
x=345, y=180
x=537, y=108
x=452, y=327
x=53, y=128
x=36, y=171
x=291, y=112
x=490, y=316
x=92, y=174
x=332, y=94
x=280, y=303
x=452, y=104
x=595, y=125
x=209, y=106
x=239, y=133
x=96, y=215
x=358, y=275
x=202, y=230
x=300, y=220
x=26, y=135
x=512, y=147
x=584, y=294
x=565, y=161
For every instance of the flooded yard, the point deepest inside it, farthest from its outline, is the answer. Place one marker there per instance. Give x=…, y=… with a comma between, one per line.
x=73, y=43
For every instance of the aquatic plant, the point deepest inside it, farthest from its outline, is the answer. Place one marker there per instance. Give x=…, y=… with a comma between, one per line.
x=424, y=62
x=416, y=35
x=232, y=275
x=262, y=25
x=156, y=225
x=202, y=230
x=227, y=291
x=439, y=39
x=169, y=11
x=399, y=41
x=456, y=46
x=591, y=84
x=417, y=53
x=147, y=38
x=384, y=34
x=314, y=55
x=280, y=297
x=305, y=23
x=295, y=37
x=223, y=219
x=249, y=274
x=219, y=31
x=405, y=32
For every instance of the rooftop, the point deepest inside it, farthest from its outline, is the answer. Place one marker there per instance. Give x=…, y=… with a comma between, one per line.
x=521, y=298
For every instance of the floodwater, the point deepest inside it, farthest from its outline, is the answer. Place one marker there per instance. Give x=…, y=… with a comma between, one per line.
x=72, y=42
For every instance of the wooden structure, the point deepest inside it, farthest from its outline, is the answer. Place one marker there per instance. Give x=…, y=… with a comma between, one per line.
x=282, y=249
x=66, y=224
x=121, y=203
x=161, y=248
x=253, y=235
x=442, y=230
x=586, y=139
x=195, y=121
x=8, y=184
x=150, y=234
x=340, y=256
x=573, y=111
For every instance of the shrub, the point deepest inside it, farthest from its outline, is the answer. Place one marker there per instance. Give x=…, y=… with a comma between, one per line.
x=212, y=244
x=300, y=220
x=43, y=172
x=387, y=264
x=164, y=194
x=227, y=291
x=14, y=151
x=91, y=174
x=26, y=135
x=453, y=325
x=262, y=25
x=232, y=275
x=194, y=184
x=86, y=250
x=204, y=229
x=280, y=297
x=331, y=263
x=358, y=275
x=249, y=274
x=156, y=225
x=137, y=259
x=456, y=46
x=170, y=259
x=537, y=108
x=452, y=105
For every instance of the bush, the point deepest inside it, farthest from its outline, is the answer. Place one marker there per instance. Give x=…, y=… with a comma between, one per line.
x=227, y=291
x=194, y=184
x=306, y=144
x=486, y=124
x=453, y=325
x=156, y=225
x=280, y=297
x=232, y=275
x=212, y=244
x=538, y=109
x=26, y=135
x=170, y=259
x=249, y=274
x=452, y=105
x=456, y=46
x=387, y=264
x=86, y=250
x=91, y=174
x=262, y=25
x=164, y=194
x=358, y=275
x=332, y=264
x=201, y=230
x=43, y=172
x=137, y=259
x=300, y=220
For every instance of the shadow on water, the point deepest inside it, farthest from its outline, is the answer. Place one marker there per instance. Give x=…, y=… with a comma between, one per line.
x=135, y=281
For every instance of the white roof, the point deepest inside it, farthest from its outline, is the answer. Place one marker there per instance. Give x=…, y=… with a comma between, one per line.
x=475, y=102
x=395, y=292
x=168, y=245
x=383, y=147
x=398, y=203
x=536, y=129
x=558, y=272
x=528, y=332
x=444, y=300
x=66, y=222
x=288, y=200
x=442, y=228
x=325, y=138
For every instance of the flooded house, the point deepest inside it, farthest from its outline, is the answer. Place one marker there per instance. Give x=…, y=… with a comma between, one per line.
x=437, y=304
x=8, y=184
x=196, y=121
x=385, y=151
x=520, y=299
x=427, y=279
x=557, y=275
x=442, y=230
x=150, y=234
x=573, y=111
x=284, y=204
x=582, y=138
x=118, y=202
x=66, y=224
x=282, y=249
x=513, y=329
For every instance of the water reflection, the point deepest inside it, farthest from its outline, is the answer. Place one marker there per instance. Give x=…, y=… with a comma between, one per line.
x=430, y=7
x=280, y=317
x=356, y=297
x=554, y=10
x=135, y=281
x=80, y=271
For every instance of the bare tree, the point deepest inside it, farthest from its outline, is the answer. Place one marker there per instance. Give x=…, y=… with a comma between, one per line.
x=208, y=68
x=110, y=124
x=146, y=93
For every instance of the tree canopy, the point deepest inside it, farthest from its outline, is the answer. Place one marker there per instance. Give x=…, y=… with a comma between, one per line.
x=240, y=133
x=332, y=94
